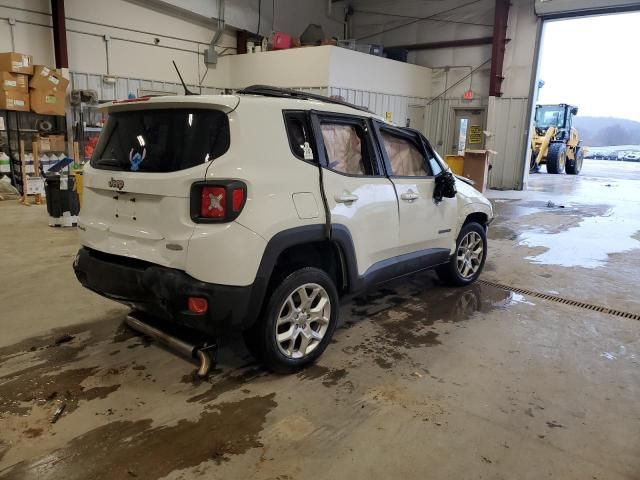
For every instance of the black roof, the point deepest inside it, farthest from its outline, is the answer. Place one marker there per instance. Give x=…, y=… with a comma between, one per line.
x=269, y=91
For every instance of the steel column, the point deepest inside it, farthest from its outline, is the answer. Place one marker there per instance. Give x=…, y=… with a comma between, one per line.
x=59, y=34
x=499, y=45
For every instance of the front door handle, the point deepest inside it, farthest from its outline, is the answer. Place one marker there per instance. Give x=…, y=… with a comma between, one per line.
x=345, y=198
x=409, y=196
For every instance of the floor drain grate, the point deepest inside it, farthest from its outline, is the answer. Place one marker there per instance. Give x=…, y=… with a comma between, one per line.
x=564, y=301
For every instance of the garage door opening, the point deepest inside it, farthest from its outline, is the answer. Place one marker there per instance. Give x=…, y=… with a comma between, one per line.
x=587, y=111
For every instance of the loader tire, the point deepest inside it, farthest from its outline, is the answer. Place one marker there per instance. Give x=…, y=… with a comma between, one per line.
x=574, y=166
x=556, y=158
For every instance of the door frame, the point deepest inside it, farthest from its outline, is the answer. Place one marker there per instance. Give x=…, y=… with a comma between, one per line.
x=452, y=121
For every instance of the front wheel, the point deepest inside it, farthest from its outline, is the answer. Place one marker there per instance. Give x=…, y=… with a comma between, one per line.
x=574, y=166
x=297, y=323
x=467, y=262
x=556, y=157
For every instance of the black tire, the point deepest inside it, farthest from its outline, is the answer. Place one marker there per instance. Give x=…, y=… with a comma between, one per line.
x=261, y=339
x=556, y=157
x=574, y=166
x=449, y=273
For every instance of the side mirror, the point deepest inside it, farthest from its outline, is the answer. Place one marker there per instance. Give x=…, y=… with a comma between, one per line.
x=574, y=111
x=445, y=186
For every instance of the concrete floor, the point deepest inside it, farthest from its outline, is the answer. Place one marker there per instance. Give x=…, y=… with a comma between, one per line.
x=420, y=381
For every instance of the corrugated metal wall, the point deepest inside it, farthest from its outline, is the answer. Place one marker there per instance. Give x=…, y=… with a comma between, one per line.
x=124, y=86
x=509, y=122
x=507, y=117
x=380, y=103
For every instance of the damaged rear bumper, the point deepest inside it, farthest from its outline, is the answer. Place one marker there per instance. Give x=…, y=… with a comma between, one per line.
x=163, y=292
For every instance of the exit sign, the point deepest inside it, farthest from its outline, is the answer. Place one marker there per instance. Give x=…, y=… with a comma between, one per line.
x=468, y=95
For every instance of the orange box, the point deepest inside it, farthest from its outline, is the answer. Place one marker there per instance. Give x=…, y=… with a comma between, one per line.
x=47, y=78
x=47, y=102
x=14, y=100
x=16, y=63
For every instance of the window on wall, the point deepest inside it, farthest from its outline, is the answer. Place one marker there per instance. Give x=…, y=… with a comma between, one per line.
x=347, y=148
x=406, y=157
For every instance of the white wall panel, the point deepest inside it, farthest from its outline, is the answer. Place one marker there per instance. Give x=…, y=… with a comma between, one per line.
x=508, y=120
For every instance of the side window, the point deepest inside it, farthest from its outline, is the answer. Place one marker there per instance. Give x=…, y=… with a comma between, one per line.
x=347, y=148
x=406, y=157
x=300, y=136
x=434, y=163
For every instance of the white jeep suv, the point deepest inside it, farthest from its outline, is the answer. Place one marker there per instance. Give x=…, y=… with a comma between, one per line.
x=258, y=211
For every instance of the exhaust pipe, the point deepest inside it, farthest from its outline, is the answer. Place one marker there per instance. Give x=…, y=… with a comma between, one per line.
x=201, y=353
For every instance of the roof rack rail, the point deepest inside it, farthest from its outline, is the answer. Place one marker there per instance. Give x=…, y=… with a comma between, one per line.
x=269, y=91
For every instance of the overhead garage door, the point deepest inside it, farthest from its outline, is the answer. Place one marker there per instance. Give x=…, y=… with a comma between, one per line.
x=567, y=7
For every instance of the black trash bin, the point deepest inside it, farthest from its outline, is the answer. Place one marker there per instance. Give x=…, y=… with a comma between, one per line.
x=63, y=205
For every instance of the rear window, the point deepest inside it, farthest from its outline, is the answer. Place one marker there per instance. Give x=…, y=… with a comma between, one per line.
x=163, y=140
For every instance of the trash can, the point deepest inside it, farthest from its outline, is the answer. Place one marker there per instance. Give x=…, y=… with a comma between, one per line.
x=63, y=203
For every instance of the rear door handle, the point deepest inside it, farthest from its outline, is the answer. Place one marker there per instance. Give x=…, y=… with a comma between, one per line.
x=409, y=196
x=345, y=198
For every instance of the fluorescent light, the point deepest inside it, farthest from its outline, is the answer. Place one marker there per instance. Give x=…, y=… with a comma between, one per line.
x=190, y=119
x=140, y=140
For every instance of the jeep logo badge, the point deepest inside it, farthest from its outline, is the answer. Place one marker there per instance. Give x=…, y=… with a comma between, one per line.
x=119, y=184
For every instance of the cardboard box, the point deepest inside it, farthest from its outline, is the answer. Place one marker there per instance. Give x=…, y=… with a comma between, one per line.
x=14, y=81
x=47, y=102
x=14, y=100
x=476, y=167
x=51, y=143
x=16, y=63
x=47, y=78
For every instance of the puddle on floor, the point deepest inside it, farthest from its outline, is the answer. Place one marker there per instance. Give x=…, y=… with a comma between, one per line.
x=589, y=243
x=405, y=314
x=121, y=449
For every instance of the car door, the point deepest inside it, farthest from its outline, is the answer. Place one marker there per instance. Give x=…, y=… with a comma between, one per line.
x=359, y=195
x=411, y=165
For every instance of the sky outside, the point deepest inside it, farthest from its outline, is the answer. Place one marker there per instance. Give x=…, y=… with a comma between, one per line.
x=593, y=63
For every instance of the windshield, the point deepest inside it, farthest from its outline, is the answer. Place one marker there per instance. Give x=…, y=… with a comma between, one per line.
x=549, y=116
x=163, y=140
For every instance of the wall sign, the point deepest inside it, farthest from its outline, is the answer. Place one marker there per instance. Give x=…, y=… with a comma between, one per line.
x=475, y=134
x=468, y=95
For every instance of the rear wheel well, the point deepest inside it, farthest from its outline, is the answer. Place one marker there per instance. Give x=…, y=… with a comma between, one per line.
x=477, y=217
x=324, y=255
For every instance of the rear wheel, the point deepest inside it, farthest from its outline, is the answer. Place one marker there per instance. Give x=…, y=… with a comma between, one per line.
x=556, y=158
x=467, y=262
x=533, y=166
x=297, y=323
x=574, y=166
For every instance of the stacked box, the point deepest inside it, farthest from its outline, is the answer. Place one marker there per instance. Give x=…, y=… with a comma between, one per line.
x=48, y=88
x=14, y=90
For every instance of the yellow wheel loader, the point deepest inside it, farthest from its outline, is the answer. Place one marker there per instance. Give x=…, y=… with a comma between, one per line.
x=555, y=142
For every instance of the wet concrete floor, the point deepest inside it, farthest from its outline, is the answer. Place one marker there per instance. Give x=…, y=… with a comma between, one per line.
x=420, y=381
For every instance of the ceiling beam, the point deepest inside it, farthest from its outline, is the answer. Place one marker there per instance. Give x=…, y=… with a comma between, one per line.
x=466, y=42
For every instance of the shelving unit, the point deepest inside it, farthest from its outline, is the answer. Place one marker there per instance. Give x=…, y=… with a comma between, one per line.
x=87, y=121
x=23, y=127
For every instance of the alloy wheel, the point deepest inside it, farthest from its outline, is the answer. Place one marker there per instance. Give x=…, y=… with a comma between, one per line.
x=303, y=320
x=469, y=255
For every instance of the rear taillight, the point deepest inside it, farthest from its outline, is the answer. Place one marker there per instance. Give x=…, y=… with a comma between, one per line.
x=197, y=304
x=219, y=201
x=213, y=202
